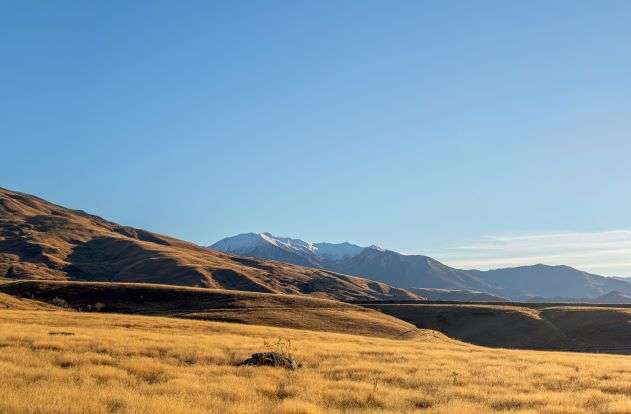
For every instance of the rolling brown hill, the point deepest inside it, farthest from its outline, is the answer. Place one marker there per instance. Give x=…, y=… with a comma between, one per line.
x=41, y=240
x=253, y=308
x=16, y=303
x=546, y=327
x=457, y=295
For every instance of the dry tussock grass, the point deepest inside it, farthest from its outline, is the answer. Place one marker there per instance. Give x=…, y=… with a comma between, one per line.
x=68, y=362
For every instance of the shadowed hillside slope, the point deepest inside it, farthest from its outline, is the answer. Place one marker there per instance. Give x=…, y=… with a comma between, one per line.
x=571, y=328
x=15, y=303
x=41, y=240
x=457, y=295
x=288, y=311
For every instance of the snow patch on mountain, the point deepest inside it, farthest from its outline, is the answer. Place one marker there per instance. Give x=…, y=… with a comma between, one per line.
x=241, y=243
x=247, y=242
x=378, y=248
x=338, y=251
x=287, y=243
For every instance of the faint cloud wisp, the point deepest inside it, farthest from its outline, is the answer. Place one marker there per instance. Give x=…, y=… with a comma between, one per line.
x=604, y=252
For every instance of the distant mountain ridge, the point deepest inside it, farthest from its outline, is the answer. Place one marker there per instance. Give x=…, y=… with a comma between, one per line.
x=423, y=272
x=42, y=240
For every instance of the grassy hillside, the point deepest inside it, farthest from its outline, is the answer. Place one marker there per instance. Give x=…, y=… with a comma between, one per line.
x=291, y=311
x=11, y=302
x=593, y=329
x=584, y=328
x=64, y=362
x=41, y=240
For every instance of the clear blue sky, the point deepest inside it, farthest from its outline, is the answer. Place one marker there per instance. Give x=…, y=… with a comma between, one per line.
x=422, y=126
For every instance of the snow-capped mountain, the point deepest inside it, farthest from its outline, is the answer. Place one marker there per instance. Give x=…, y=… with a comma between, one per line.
x=243, y=243
x=296, y=251
x=373, y=262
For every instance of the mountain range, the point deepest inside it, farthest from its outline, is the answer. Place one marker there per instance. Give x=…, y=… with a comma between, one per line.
x=42, y=240
x=414, y=272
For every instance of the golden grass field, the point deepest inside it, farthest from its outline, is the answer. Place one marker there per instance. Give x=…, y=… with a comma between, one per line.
x=253, y=308
x=72, y=362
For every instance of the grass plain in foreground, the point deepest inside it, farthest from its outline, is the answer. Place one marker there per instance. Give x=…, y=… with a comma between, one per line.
x=70, y=362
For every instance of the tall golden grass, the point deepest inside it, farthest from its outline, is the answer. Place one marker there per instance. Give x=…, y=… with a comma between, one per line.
x=69, y=362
